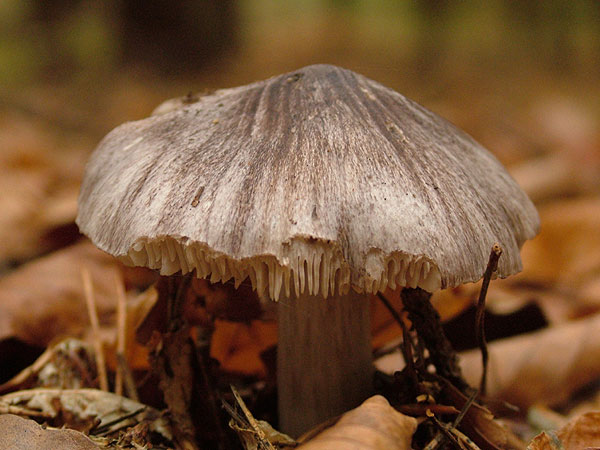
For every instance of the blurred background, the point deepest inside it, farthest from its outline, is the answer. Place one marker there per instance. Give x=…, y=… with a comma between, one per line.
x=522, y=77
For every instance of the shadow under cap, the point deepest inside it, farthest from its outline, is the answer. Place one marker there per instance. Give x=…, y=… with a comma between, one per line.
x=312, y=182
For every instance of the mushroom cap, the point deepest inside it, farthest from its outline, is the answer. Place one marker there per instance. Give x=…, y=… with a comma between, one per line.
x=312, y=182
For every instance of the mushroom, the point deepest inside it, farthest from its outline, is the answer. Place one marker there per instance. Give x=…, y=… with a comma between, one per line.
x=321, y=187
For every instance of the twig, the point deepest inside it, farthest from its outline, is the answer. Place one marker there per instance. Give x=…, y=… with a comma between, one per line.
x=448, y=431
x=444, y=431
x=91, y=307
x=480, y=314
x=205, y=403
x=260, y=435
x=420, y=409
x=406, y=341
x=465, y=409
x=104, y=429
x=390, y=308
x=242, y=422
x=121, y=325
x=178, y=288
x=130, y=386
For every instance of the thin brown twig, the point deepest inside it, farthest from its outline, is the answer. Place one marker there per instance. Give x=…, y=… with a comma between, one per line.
x=408, y=355
x=447, y=431
x=93, y=314
x=261, y=438
x=443, y=432
x=390, y=308
x=121, y=328
x=480, y=314
x=129, y=383
x=465, y=409
x=406, y=346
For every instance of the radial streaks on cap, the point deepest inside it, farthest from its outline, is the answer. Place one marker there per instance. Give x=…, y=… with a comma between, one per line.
x=316, y=181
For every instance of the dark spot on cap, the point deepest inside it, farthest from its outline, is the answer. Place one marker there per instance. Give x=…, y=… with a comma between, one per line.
x=294, y=77
x=197, y=196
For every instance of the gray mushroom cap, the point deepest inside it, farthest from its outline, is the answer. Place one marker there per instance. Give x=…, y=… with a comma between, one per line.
x=311, y=182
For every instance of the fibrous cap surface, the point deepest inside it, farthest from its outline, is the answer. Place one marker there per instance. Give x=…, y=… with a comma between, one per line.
x=314, y=181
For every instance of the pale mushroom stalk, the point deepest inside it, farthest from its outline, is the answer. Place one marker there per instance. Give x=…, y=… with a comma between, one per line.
x=324, y=358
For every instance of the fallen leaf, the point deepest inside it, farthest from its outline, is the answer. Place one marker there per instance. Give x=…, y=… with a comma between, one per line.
x=546, y=366
x=567, y=250
x=136, y=354
x=173, y=362
x=39, y=182
x=374, y=425
x=238, y=346
x=19, y=433
x=579, y=434
x=479, y=424
x=44, y=299
x=108, y=412
x=254, y=434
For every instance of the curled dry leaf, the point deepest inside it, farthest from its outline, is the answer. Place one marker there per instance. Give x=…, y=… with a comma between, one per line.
x=17, y=432
x=105, y=411
x=580, y=433
x=374, y=425
x=545, y=366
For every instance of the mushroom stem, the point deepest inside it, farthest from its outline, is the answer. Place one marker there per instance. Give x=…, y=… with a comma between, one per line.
x=324, y=359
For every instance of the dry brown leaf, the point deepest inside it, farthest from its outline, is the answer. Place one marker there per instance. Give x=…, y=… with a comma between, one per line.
x=44, y=299
x=567, y=250
x=19, y=433
x=39, y=183
x=541, y=367
x=374, y=425
x=546, y=366
x=579, y=434
x=172, y=361
x=238, y=346
x=479, y=424
x=73, y=407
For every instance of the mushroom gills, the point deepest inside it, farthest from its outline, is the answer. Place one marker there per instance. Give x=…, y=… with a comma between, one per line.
x=313, y=268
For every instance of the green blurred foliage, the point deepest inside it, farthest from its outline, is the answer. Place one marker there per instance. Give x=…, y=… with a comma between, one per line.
x=70, y=40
